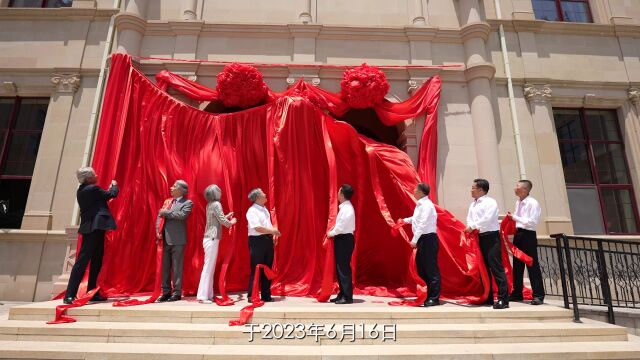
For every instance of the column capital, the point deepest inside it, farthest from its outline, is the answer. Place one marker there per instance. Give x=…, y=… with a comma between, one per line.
x=414, y=84
x=537, y=92
x=634, y=95
x=66, y=83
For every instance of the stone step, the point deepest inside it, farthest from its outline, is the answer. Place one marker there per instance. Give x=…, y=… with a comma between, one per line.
x=537, y=351
x=298, y=310
x=268, y=334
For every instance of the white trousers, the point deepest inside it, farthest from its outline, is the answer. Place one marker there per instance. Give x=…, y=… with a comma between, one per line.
x=205, y=289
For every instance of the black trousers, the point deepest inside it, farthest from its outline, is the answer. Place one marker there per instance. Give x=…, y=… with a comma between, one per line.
x=172, y=263
x=343, y=245
x=492, y=256
x=427, y=264
x=91, y=250
x=527, y=241
x=261, y=252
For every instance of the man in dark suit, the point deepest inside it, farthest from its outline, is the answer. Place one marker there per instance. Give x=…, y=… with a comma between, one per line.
x=95, y=220
x=174, y=235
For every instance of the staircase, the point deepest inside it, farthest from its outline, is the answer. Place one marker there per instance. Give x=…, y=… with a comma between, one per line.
x=302, y=328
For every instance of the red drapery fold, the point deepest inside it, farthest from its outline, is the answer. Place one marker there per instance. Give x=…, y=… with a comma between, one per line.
x=299, y=155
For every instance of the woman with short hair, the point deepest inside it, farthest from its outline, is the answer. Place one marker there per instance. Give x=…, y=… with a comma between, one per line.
x=212, y=234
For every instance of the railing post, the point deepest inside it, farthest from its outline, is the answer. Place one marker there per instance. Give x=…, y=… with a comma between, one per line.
x=563, y=277
x=604, y=282
x=572, y=285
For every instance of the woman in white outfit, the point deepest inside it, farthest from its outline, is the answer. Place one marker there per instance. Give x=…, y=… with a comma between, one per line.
x=212, y=235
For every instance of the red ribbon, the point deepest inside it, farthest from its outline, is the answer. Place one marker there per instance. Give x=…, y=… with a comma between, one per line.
x=61, y=310
x=158, y=279
x=508, y=228
x=421, y=286
x=247, y=312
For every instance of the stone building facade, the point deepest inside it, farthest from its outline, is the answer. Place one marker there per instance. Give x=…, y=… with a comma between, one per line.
x=570, y=124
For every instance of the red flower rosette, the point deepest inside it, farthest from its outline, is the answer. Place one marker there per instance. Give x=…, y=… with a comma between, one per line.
x=241, y=86
x=364, y=86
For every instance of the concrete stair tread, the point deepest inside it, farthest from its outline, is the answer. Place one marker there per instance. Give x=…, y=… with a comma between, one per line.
x=78, y=350
x=371, y=308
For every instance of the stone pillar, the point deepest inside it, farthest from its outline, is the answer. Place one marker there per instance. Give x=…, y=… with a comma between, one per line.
x=4, y=3
x=630, y=126
x=478, y=74
x=555, y=200
x=522, y=10
x=634, y=97
x=304, y=11
x=188, y=10
x=61, y=282
x=619, y=12
x=417, y=18
x=38, y=212
x=131, y=27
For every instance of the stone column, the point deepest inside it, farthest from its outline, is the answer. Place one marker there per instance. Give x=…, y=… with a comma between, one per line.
x=630, y=125
x=188, y=10
x=522, y=10
x=555, y=200
x=131, y=26
x=479, y=72
x=61, y=282
x=619, y=12
x=304, y=12
x=38, y=215
x=634, y=97
x=417, y=18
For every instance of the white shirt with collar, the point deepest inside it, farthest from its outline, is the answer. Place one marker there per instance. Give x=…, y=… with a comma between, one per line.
x=424, y=219
x=483, y=214
x=257, y=216
x=345, y=221
x=527, y=213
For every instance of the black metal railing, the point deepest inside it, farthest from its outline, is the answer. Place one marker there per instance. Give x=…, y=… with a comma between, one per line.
x=592, y=271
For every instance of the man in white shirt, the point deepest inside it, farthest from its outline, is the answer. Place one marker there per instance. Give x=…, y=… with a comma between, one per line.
x=261, y=242
x=527, y=217
x=483, y=216
x=423, y=225
x=343, y=244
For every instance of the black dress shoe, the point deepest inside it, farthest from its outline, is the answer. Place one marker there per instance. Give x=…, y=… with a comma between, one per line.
x=501, y=304
x=97, y=297
x=336, y=299
x=164, y=298
x=68, y=300
x=431, y=302
x=515, y=298
x=536, y=301
x=344, y=301
x=174, y=298
x=270, y=299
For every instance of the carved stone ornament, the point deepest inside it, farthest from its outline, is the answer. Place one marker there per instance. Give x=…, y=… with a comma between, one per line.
x=537, y=93
x=66, y=83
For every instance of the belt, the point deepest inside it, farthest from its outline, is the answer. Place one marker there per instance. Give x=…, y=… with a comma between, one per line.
x=487, y=233
x=524, y=230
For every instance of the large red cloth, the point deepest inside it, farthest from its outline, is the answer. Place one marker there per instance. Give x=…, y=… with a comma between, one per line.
x=294, y=151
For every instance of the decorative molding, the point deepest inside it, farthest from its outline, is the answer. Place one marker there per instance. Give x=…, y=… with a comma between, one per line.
x=567, y=28
x=191, y=27
x=66, y=83
x=537, y=92
x=479, y=70
x=305, y=17
x=129, y=21
x=634, y=95
x=588, y=101
x=475, y=30
x=58, y=14
x=292, y=79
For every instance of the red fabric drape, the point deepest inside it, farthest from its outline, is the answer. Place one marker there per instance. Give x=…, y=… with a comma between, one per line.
x=299, y=155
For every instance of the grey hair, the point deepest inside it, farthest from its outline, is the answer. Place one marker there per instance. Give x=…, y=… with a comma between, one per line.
x=84, y=173
x=253, y=194
x=212, y=193
x=183, y=186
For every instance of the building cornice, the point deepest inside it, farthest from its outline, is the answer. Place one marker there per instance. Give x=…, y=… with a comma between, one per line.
x=570, y=84
x=567, y=28
x=57, y=14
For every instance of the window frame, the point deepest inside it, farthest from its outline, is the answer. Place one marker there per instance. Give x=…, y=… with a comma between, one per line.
x=560, y=13
x=594, y=173
x=8, y=136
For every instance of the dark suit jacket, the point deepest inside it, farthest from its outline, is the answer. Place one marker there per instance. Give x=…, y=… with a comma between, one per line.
x=94, y=212
x=175, y=227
